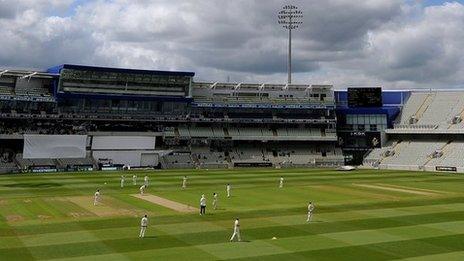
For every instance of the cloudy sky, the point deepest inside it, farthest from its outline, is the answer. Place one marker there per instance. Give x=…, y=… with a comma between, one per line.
x=392, y=43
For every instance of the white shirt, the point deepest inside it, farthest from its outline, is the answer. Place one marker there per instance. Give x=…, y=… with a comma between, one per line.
x=281, y=180
x=310, y=208
x=142, y=187
x=97, y=194
x=146, y=178
x=144, y=222
x=236, y=224
x=228, y=187
x=202, y=201
x=215, y=196
x=134, y=177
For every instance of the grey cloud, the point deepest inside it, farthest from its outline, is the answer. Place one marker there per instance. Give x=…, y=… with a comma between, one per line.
x=372, y=41
x=426, y=51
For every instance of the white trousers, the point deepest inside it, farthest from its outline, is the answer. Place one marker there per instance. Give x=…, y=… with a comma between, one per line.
x=228, y=193
x=281, y=185
x=214, y=204
x=95, y=201
x=236, y=234
x=310, y=216
x=142, y=231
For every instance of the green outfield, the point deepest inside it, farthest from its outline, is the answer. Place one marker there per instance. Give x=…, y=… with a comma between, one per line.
x=359, y=215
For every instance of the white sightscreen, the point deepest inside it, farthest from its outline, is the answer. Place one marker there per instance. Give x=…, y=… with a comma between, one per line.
x=123, y=143
x=54, y=146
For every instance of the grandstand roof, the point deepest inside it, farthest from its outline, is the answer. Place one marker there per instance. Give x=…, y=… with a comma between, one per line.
x=58, y=68
x=27, y=73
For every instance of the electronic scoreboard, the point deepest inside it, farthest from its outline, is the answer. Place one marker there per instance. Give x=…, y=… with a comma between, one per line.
x=365, y=97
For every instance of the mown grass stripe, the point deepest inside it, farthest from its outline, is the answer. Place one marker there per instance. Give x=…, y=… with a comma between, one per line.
x=379, y=251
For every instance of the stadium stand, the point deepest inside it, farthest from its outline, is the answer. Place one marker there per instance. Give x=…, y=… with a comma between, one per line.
x=209, y=159
x=195, y=124
x=225, y=125
x=427, y=135
x=412, y=153
x=177, y=161
x=417, y=102
x=7, y=164
x=449, y=155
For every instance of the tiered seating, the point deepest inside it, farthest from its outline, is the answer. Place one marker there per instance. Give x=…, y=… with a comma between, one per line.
x=178, y=161
x=32, y=88
x=443, y=108
x=412, y=106
x=413, y=153
x=247, y=154
x=249, y=133
x=200, y=132
x=184, y=132
x=452, y=156
x=233, y=132
x=6, y=86
x=218, y=132
x=254, y=132
x=211, y=159
x=8, y=167
x=301, y=156
x=375, y=156
x=432, y=110
x=5, y=90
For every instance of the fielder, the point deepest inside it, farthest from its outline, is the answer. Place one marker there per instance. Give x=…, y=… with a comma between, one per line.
x=134, y=180
x=215, y=200
x=142, y=189
x=281, y=183
x=236, y=231
x=96, y=198
x=202, y=205
x=143, y=226
x=228, y=190
x=184, y=182
x=122, y=181
x=145, y=181
x=310, y=212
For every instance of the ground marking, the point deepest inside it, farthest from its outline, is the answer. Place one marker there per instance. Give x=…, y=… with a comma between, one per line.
x=410, y=191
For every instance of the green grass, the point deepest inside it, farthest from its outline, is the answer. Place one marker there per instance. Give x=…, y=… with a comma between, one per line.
x=40, y=218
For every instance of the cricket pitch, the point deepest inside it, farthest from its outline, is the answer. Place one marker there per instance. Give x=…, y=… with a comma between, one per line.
x=176, y=206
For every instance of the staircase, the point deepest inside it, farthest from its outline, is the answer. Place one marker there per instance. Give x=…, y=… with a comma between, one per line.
x=424, y=106
x=393, y=149
x=442, y=149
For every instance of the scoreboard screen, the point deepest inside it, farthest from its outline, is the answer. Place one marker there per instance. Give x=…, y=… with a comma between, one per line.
x=365, y=97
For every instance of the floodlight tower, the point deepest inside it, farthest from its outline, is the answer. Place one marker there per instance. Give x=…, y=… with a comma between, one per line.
x=290, y=18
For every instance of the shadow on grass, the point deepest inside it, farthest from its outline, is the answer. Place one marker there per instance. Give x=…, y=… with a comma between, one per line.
x=33, y=185
x=149, y=237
